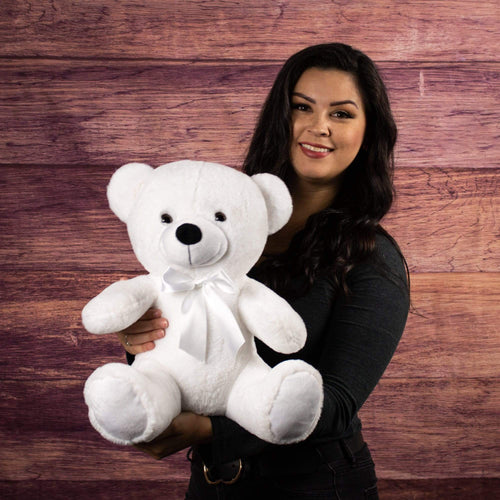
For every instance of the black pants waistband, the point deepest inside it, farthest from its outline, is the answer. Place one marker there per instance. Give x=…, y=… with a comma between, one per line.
x=306, y=457
x=301, y=458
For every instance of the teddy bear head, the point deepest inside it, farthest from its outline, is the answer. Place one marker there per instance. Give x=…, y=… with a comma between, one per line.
x=198, y=217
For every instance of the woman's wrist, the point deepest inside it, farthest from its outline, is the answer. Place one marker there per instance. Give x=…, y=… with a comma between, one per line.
x=205, y=430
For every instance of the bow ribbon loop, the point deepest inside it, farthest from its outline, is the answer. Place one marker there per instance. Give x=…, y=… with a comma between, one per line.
x=203, y=296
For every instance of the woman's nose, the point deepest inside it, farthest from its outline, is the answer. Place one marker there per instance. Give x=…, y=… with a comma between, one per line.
x=320, y=126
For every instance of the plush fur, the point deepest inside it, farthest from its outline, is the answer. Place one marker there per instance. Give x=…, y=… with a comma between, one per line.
x=206, y=224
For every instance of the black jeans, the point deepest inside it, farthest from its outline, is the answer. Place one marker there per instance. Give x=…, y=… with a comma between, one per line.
x=350, y=478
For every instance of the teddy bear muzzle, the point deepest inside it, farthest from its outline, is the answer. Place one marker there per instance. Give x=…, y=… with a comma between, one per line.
x=194, y=243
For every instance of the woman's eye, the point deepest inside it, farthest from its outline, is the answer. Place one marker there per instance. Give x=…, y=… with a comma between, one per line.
x=341, y=114
x=300, y=106
x=220, y=217
x=166, y=218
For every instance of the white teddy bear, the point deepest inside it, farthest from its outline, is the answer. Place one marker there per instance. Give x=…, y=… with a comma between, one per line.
x=198, y=228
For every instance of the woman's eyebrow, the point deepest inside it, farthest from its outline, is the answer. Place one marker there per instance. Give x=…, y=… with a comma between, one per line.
x=310, y=99
x=335, y=103
x=347, y=101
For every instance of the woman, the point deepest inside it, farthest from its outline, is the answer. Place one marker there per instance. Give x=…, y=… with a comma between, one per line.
x=326, y=128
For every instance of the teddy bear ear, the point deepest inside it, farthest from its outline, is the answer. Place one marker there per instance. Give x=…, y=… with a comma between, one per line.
x=277, y=198
x=124, y=187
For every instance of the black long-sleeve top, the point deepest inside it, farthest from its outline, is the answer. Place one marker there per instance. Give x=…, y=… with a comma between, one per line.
x=350, y=340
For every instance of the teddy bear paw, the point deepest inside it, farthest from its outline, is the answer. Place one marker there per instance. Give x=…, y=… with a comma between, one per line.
x=297, y=407
x=115, y=408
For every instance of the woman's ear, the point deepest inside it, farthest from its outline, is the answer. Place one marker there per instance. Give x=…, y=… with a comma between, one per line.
x=124, y=187
x=277, y=198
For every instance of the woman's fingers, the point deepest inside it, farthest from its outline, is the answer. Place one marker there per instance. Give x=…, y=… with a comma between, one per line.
x=186, y=429
x=146, y=325
x=148, y=346
x=151, y=313
x=140, y=342
x=150, y=320
x=140, y=336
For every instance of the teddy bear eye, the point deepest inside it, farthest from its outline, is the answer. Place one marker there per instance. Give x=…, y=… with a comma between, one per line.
x=220, y=217
x=166, y=218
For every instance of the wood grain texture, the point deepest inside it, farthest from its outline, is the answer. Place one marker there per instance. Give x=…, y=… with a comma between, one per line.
x=452, y=333
x=88, y=86
x=433, y=428
x=99, y=490
x=108, y=113
x=442, y=489
x=201, y=29
x=439, y=489
x=422, y=428
x=452, y=330
x=76, y=457
x=444, y=220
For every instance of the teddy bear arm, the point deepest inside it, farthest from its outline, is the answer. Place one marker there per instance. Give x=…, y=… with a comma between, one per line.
x=119, y=305
x=271, y=319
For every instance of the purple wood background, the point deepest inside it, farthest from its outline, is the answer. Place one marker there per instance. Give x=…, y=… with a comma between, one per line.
x=88, y=86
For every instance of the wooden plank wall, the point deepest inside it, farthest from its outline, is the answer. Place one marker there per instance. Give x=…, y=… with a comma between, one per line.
x=88, y=86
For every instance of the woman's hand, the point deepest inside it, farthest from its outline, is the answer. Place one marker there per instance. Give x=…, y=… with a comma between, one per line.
x=187, y=429
x=140, y=336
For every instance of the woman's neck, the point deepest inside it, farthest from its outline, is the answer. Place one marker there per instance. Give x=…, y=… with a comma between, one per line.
x=308, y=199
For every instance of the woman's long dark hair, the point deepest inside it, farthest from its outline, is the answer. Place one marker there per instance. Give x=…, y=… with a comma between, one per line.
x=342, y=235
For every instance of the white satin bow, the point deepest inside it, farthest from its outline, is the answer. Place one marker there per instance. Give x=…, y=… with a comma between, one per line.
x=202, y=296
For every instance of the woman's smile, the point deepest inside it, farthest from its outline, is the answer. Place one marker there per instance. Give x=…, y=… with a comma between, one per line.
x=315, y=150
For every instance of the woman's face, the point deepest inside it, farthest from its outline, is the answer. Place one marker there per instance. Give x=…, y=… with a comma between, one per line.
x=328, y=125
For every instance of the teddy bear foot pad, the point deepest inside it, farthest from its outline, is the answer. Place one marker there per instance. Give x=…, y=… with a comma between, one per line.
x=293, y=424
x=125, y=407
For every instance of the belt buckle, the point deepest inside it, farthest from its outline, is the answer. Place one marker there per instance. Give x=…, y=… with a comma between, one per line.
x=206, y=473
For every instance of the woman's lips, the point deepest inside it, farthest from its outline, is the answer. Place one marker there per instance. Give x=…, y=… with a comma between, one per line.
x=314, y=150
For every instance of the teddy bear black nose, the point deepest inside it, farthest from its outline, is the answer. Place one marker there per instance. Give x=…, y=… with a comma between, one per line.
x=189, y=234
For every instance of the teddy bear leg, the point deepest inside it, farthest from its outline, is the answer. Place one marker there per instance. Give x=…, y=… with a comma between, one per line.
x=127, y=406
x=281, y=407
